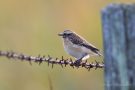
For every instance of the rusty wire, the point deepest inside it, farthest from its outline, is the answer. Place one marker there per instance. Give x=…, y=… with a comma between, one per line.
x=50, y=60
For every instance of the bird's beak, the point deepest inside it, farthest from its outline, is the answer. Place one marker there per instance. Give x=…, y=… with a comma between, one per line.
x=60, y=34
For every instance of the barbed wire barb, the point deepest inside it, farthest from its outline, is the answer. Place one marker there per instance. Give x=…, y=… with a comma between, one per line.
x=50, y=60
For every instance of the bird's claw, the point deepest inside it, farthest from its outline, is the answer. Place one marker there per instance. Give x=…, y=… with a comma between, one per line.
x=77, y=63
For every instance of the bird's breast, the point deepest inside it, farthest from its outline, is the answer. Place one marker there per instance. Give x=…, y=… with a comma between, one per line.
x=68, y=45
x=73, y=49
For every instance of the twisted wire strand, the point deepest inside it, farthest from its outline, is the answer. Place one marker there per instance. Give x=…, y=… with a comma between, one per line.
x=50, y=60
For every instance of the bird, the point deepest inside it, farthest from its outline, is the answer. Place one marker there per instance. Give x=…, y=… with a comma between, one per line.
x=77, y=46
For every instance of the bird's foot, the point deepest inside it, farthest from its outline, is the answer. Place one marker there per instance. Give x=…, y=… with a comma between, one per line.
x=77, y=63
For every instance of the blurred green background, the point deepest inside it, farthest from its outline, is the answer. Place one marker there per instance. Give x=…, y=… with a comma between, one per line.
x=31, y=27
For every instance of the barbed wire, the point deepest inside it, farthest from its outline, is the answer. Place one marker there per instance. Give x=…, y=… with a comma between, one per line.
x=50, y=60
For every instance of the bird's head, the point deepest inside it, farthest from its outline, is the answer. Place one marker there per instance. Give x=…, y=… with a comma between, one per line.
x=66, y=33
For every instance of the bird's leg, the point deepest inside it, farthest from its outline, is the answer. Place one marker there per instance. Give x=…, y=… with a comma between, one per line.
x=78, y=61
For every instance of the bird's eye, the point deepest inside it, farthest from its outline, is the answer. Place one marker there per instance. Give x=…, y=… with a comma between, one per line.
x=67, y=34
x=64, y=34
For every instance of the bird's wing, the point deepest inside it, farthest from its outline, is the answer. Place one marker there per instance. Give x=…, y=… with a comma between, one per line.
x=75, y=39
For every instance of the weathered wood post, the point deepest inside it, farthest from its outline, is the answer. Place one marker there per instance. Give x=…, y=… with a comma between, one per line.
x=118, y=21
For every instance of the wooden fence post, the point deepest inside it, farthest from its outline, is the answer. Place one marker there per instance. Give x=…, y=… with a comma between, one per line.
x=118, y=22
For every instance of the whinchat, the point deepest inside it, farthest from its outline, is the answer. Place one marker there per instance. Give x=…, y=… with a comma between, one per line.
x=77, y=46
